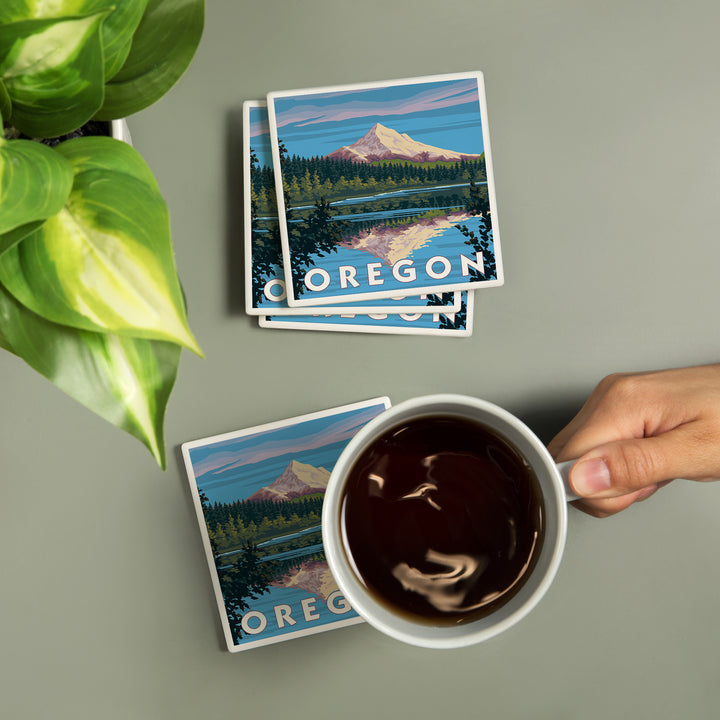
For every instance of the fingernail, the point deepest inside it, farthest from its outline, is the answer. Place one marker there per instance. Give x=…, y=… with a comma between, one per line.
x=590, y=477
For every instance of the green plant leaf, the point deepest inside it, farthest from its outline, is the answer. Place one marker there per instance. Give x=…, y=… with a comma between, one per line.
x=125, y=380
x=117, y=31
x=35, y=182
x=110, y=155
x=5, y=105
x=12, y=238
x=53, y=72
x=13, y=10
x=4, y=342
x=105, y=261
x=163, y=46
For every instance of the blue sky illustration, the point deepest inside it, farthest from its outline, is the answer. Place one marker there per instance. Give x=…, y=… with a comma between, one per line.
x=234, y=467
x=444, y=113
x=260, y=135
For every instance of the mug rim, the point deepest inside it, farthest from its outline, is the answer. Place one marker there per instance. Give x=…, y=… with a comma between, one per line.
x=426, y=634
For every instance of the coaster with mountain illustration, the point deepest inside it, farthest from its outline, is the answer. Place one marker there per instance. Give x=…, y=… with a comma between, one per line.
x=384, y=189
x=264, y=273
x=258, y=495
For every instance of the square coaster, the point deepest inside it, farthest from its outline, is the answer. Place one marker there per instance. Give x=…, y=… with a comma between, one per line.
x=442, y=323
x=258, y=496
x=264, y=273
x=384, y=189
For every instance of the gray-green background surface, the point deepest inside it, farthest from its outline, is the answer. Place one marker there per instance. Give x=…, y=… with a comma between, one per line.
x=604, y=122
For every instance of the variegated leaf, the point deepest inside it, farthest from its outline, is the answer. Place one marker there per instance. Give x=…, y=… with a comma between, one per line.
x=117, y=30
x=13, y=237
x=5, y=104
x=53, y=72
x=4, y=342
x=163, y=46
x=125, y=380
x=35, y=182
x=105, y=261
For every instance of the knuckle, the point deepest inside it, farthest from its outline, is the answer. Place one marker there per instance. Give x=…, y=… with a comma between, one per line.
x=703, y=451
x=633, y=468
x=608, y=382
x=706, y=437
x=625, y=389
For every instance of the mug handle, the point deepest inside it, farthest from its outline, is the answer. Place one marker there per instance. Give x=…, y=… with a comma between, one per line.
x=564, y=470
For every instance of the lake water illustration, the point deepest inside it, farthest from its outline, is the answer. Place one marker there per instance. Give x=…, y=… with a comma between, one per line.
x=441, y=257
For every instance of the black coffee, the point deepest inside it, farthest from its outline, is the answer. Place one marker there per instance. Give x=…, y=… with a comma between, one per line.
x=443, y=519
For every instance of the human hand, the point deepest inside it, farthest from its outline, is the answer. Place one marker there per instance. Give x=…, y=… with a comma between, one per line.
x=637, y=432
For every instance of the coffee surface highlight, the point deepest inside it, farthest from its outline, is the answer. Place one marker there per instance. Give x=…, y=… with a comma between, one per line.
x=442, y=520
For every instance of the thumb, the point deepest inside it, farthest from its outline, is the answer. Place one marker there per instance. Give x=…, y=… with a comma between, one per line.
x=626, y=466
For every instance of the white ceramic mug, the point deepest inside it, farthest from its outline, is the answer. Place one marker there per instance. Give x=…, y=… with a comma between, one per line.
x=555, y=490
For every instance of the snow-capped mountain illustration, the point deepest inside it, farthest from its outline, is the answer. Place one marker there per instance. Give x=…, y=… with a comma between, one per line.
x=384, y=143
x=297, y=479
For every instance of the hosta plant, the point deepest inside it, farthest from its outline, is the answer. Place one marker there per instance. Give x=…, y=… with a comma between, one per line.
x=89, y=292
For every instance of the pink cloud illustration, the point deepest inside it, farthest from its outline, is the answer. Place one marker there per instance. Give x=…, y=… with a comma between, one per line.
x=248, y=449
x=314, y=111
